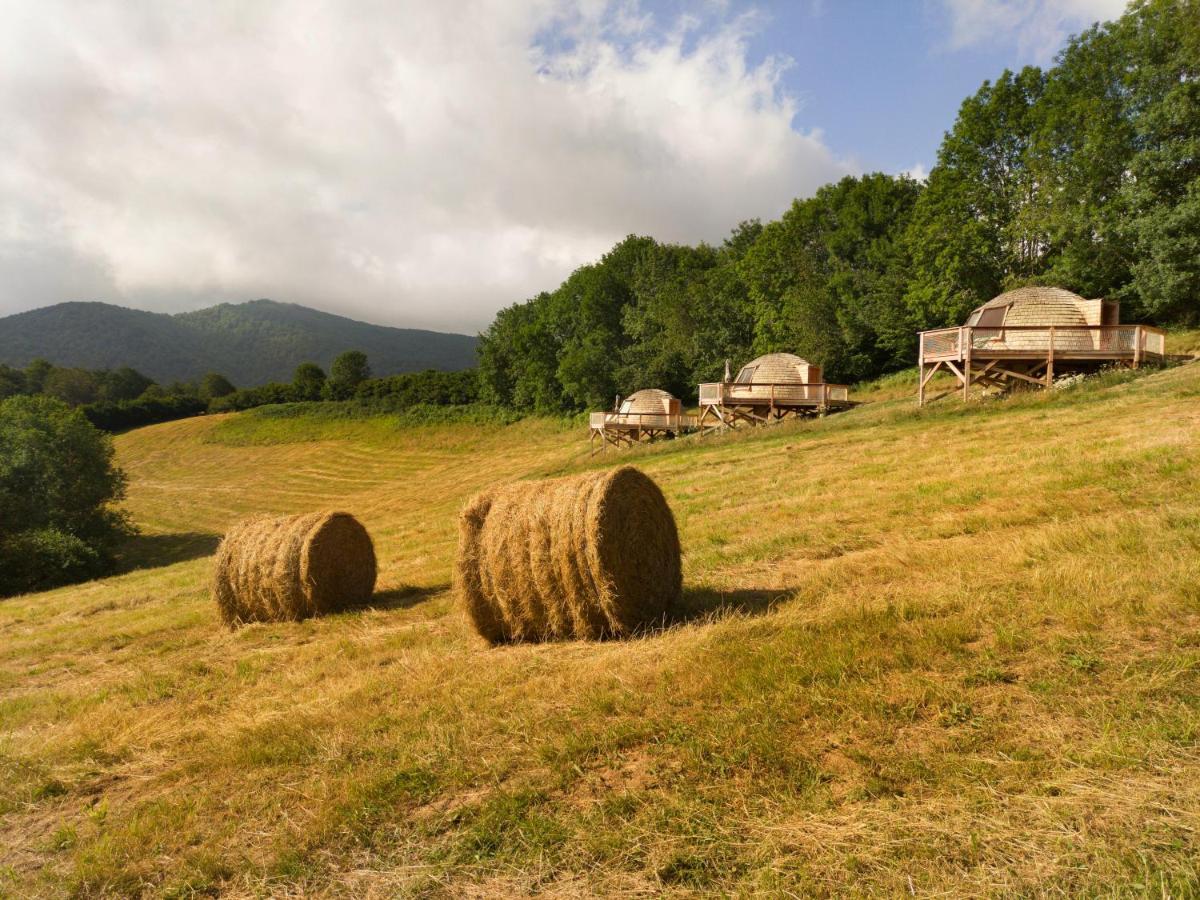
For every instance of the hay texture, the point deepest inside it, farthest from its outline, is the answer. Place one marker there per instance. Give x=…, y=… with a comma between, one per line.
x=586, y=557
x=290, y=568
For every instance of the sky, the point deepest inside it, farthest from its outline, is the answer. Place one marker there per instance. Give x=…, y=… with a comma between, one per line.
x=425, y=164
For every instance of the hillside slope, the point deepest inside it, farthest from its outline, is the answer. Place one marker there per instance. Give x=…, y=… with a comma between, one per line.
x=251, y=343
x=953, y=651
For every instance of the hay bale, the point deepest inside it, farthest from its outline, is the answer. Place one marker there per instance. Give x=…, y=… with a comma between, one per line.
x=292, y=567
x=586, y=557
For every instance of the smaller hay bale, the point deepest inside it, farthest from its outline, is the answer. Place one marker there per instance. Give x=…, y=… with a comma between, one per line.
x=283, y=569
x=586, y=557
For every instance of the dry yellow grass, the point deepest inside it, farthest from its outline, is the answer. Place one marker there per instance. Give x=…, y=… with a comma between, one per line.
x=951, y=652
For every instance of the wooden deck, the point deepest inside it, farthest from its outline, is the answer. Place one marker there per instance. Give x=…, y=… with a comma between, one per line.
x=1019, y=355
x=726, y=403
x=625, y=429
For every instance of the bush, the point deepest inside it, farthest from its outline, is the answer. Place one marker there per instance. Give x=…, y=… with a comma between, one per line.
x=428, y=388
x=57, y=484
x=431, y=387
x=44, y=558
x=146, y=410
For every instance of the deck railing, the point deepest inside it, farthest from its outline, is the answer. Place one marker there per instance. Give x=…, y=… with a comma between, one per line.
x=1136, y=341
x=659, y=421
x=776, y=393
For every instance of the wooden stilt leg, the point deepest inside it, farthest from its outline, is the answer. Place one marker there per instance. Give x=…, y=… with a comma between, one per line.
x=967, y=363
x=1050, y=361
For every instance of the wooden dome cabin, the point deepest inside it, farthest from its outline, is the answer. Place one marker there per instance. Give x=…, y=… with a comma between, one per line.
x=1028, y=335
x=770, y=388
x=645, y=415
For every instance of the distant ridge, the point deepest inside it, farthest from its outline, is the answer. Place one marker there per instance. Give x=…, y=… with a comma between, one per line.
x=250, y=343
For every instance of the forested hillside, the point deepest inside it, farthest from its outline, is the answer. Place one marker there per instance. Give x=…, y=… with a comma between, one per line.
x=251, y=343
x=1085, y=175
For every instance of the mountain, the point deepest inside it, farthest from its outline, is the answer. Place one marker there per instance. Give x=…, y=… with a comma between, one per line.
x=250, y=343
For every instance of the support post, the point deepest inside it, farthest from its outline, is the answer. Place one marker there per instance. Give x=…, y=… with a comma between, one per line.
x=965, y=334
x=1050, y=361
x=921, y=369
x=1139, y=337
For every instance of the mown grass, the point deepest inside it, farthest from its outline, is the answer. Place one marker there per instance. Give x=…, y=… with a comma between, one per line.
x=953, y=651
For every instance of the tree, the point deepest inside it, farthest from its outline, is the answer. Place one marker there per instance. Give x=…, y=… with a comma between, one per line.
x=35, y=375
x=72, y=386
x=12, y=382
x=123, y=384
x=981, y=223
x=214, y=385
x=349, y=370
x=57, y=484
x=827, y=281
x=518, y=357
x=1162, y=81
x=308, y=381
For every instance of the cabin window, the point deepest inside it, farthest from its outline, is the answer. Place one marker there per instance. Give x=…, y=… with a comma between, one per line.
x=746, y=376
x=988, y=328
x=992, y=317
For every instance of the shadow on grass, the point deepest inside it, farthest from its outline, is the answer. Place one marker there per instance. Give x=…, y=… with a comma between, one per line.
x=404, y=597
x=704, y=603
x=151, y=551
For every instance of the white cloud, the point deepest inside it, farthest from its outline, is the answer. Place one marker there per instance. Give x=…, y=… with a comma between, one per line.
x=403, y=162
x=917, y=172
x=1037, y=27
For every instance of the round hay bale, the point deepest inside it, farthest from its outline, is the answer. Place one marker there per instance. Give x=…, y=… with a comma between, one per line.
x=292, y=567
x=587, y=557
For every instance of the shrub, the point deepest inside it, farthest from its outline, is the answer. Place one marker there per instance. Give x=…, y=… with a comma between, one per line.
x=146, y=410
x=44, y=558
x=57, y=484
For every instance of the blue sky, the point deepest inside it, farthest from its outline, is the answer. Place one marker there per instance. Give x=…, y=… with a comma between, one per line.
x=881, y=79
x=425, y=164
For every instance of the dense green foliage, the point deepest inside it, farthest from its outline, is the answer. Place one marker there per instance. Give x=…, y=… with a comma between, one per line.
x=214, y=385
x=114, y=400
x=146, y=410
x=1086, y=176
x=429, y=388
x=308, y=382
x=250, y=343
x=74, y=387
x=349, y=370
x=57, y=481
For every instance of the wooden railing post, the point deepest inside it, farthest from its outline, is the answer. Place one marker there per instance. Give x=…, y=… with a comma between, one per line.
x=1138, y=337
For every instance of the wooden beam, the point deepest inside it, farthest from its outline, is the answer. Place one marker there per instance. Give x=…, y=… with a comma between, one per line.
x=1011, y=374
x=933, y=371
x=966, y=332
x=921, y=369
x=1050, y=360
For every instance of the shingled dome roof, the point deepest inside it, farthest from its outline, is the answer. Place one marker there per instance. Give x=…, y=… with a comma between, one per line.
x=1036, y=306
x=651, y=401
x=774, y=368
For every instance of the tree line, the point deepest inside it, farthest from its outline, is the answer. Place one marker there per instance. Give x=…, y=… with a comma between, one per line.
x=119, y=399
x=1084, y=175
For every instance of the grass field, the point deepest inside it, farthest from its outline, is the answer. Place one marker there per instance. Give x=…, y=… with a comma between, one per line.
x=953, y=651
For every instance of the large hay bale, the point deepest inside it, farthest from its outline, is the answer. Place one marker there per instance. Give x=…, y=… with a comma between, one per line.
x=591, y=556
x=292, y=567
